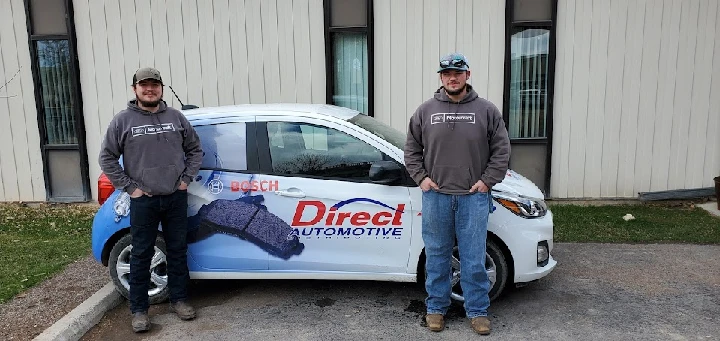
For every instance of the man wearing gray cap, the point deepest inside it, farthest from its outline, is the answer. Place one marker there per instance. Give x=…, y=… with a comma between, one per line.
x=161, y=155
x=457, y=148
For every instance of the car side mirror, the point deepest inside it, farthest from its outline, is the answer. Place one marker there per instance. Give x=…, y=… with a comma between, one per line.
x=385, y=172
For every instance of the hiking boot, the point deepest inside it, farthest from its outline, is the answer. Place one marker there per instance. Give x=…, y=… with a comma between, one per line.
x=183, y=310
x=140, y=322
x=435, y=322
x=480, y=325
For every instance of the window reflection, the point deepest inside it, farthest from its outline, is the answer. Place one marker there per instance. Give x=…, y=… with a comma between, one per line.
x=306, y=149
x=528, y=82
x=351, y=71
x=57, y=96
x=224, y=146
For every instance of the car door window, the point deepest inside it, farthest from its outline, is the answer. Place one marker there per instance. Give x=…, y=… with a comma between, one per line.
x=306, y=149
x=224, y=146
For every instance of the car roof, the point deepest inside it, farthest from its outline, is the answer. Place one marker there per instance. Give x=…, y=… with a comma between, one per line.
x=316, y=110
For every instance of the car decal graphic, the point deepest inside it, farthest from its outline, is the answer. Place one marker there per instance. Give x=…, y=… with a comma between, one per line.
x=254, y=185
x=247, y=219
x=313, y=219
x=350, y=201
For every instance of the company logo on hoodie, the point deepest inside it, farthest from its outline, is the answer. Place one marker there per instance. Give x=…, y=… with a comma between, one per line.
x=468, y=117
x=150, y=129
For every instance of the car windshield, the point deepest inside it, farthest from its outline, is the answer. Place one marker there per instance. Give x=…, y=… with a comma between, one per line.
x=382, y=130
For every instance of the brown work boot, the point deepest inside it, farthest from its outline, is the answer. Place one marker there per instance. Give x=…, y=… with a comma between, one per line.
x=140, y=322
x=480, y=325
x=183, y=310
x=435, y=322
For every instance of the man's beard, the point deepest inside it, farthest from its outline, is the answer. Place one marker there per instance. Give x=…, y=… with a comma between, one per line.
x=147, y=104
x=455, y=92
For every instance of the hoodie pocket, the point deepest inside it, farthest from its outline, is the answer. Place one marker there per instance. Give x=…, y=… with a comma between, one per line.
x=160, y=180
x=452, y=178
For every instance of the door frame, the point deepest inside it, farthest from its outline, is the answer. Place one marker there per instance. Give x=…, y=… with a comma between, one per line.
x=548, y=141
x=75, y=87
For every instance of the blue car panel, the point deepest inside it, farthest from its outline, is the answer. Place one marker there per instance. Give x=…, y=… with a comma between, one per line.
x=106, y=223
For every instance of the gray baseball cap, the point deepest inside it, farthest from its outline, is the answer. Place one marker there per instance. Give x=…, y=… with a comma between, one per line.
x=146, y=73
x=454, y=61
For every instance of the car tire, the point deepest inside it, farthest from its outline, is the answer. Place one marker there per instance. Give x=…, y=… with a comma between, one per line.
x=495, y=263
x=119, y=265
x=494, y=252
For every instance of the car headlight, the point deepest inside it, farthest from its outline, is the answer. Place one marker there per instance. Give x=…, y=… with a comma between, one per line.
x=522, y=206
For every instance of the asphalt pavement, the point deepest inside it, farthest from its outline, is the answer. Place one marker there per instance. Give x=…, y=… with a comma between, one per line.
x=597, y=292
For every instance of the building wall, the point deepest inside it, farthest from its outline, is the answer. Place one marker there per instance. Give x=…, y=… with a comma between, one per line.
x=637, y=93
x=637, y=97
x=410, y=38
x=21, y=167
x=212, y=53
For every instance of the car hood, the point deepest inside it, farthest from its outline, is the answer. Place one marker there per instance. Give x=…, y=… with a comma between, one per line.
x=517, y=184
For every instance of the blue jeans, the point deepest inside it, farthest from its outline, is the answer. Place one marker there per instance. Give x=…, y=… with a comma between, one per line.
x=445, y=218
x=145, y=214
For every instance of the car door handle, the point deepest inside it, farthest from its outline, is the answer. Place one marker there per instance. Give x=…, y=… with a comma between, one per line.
x=293, y=193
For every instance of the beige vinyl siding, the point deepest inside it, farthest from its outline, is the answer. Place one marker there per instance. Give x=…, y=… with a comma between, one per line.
x=636, y=97
x=411, y=36
x=637, y=83
x=21, y=167
x=211, y=52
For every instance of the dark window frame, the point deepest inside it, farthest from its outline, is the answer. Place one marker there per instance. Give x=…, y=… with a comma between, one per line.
x=552, y=26
x=81, y=146
x=330, y=55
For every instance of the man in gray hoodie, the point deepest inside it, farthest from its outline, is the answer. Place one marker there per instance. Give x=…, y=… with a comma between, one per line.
x=457, y=148
x=161, y=155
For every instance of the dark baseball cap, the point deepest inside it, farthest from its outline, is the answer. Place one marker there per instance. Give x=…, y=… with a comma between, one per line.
x=454, y=61
x=146, y=73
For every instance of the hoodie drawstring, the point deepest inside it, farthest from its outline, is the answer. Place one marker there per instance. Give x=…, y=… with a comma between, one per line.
x=132, y=105
x=451, y=125
x=442, y=96
x=157, y=120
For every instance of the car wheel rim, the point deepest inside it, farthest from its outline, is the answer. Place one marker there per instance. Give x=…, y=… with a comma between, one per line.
x=456, y=292
x=158, y=271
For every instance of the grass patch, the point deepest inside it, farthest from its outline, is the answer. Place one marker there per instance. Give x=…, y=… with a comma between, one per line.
x=38, y=242
x=652, y=224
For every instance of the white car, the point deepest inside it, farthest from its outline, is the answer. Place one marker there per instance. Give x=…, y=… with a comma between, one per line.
x=295, y=191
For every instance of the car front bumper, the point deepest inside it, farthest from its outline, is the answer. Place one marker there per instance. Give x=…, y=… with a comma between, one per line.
x=522, y=238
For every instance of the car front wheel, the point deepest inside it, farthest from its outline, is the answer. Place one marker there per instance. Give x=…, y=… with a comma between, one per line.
x=119, y=264
x=495, y=265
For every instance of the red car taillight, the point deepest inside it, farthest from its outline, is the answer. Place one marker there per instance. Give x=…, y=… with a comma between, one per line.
x=105, y=188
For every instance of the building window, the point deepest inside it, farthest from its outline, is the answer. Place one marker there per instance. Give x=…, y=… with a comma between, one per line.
x=348, y=32
x=528, y=81
x=57, y=98
x=527, y=90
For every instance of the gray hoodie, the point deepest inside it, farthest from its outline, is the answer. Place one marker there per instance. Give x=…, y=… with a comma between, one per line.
x=457, y=143
x=159, y=150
